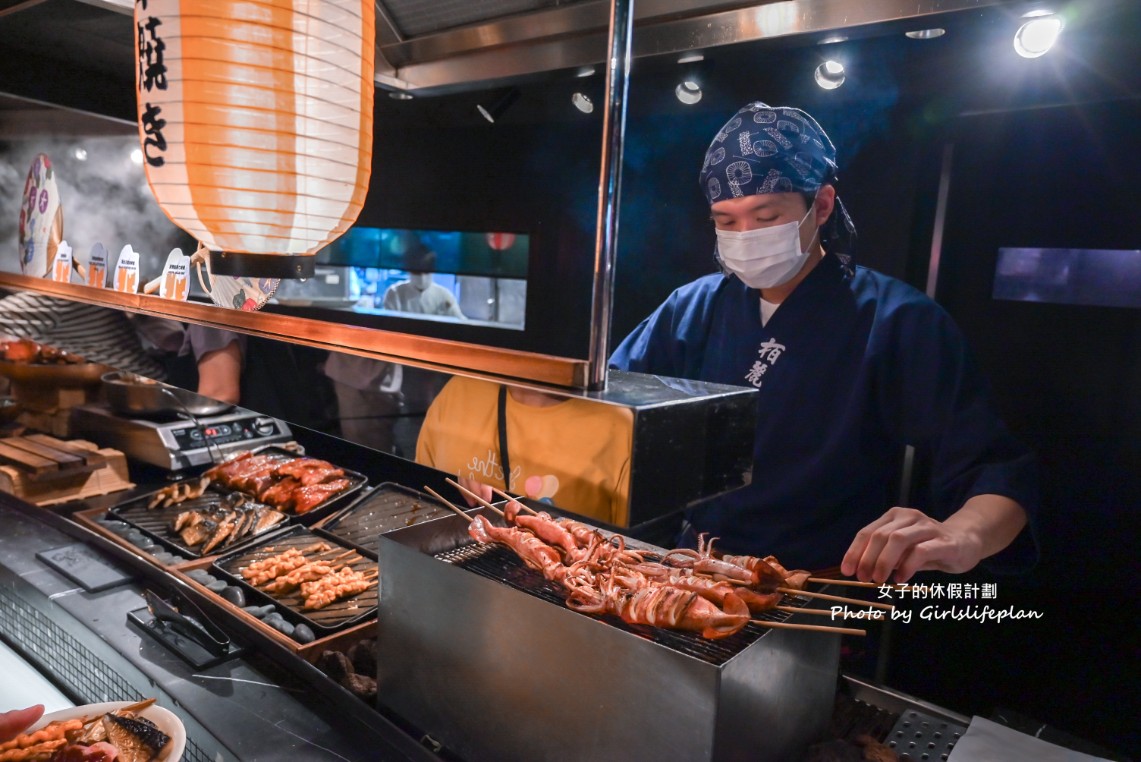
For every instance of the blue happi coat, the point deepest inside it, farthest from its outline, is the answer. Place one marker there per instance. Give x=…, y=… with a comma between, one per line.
x=849, y=370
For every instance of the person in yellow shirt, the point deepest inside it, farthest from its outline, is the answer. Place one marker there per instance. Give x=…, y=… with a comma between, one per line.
x=570, y=452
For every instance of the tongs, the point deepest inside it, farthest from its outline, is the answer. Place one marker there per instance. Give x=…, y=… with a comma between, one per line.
x=194, y=624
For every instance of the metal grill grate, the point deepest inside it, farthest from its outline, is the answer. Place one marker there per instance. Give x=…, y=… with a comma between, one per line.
x=68, y=661
x=386, y=508
x=501, y=564
x=158, y=522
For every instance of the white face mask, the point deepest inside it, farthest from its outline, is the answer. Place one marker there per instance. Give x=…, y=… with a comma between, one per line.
x=765, y=257
x=420, y=281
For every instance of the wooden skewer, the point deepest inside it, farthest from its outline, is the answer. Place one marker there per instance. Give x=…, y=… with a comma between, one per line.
x=810, y=627
x=824, y=612
x=446, y=502
x=836, y=598
x=476, y=497
x=505, y=496
x=852, y=582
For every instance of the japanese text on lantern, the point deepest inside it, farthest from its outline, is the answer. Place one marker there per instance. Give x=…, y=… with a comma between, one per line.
x=152, y=76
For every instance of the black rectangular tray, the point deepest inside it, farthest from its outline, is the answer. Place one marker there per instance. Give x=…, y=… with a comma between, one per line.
x=156, y=522
x=330, y=504
x=335, y=616
x=387, y=507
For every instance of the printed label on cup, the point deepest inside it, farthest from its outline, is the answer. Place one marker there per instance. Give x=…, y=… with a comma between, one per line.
x=61, y=266
x=127, y=271
x=175, y=283
x=97, y=266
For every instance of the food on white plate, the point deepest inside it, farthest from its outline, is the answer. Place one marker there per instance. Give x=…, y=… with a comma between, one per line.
x=119, y=735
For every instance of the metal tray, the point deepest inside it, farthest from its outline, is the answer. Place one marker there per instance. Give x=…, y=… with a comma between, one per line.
x=156, y=522
x=335, y=616
x=356, y=479
x=387, y=507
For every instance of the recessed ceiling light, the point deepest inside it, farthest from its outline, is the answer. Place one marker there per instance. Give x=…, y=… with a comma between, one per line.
x=80, y=154
x=830, y=75
x=400, y=95
x=834, y=39
x=1037, y=13
x=582, y=102
x=691, y=58
x=688, y=92
x=136, y=156
x=585, y=71
x=926, y=34
x=1037, y=36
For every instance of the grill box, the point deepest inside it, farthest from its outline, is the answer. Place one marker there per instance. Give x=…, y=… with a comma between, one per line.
x=495, y=672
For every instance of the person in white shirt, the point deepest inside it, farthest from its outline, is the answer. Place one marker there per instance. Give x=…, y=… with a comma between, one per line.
x=419, y=294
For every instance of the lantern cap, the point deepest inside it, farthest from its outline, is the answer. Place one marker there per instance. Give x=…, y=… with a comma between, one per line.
x=262, y=265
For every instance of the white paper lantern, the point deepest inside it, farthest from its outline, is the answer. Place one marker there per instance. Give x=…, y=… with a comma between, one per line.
x=255, y=120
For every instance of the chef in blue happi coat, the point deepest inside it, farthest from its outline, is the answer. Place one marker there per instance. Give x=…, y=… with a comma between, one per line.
x=851, y=365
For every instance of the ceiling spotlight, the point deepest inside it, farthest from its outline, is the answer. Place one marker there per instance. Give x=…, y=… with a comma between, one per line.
x=830, y=75
x=1037, y=36
x=80, y=154
x=833, y=39
x=688, y=92
x=136, y=156
x=400, y=95
x=582, y=102
x=499, y=106
x=689, y=58
x=926, y=34
x=585, y=71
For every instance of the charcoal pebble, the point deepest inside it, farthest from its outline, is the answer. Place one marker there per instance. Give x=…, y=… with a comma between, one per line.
x=201, y=576
x=303, y=633
x=281, y=626
x=216, y=586
x=234, y=595
x=144, y=543
x=259, y=611
x=117, y=527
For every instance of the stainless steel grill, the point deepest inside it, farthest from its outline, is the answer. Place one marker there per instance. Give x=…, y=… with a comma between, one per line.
x=483, y=655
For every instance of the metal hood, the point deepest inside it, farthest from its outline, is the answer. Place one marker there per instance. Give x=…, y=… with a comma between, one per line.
x=444, y=45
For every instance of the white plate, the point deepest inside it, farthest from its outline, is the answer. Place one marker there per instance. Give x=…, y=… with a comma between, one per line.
x=166, y=721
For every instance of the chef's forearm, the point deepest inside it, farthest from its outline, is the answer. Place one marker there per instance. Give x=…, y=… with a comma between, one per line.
x=992, y=520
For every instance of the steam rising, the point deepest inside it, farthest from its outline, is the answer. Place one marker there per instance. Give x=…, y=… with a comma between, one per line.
x=105, y=198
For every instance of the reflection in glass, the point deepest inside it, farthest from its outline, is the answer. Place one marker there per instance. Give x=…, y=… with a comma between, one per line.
x=1099, y=277
x=480, y=278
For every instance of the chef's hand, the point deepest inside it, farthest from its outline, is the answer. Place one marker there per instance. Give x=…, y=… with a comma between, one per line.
x=479, y=488
x=905, y=540
x=15, y=722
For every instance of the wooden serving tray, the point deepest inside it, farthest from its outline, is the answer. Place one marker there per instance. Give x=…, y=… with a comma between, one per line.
x=44, y=457
x=44, y=470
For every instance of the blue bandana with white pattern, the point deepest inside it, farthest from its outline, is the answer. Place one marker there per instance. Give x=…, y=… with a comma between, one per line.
x=766, y=149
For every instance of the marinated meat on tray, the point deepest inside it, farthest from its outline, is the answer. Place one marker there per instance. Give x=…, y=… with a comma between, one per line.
x=310, y=496
x=289, y=484
x=310, y=470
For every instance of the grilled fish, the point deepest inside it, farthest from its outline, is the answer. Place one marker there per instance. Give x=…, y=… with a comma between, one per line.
x=138, y=739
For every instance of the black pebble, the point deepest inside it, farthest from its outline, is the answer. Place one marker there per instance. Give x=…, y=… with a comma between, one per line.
x=234, y=595
x=302, y=633
x=216, y=586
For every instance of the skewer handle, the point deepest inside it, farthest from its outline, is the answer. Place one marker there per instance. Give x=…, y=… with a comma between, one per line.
x=851, y=582
x=474, y=496
x=822, y=612
x=505, y=496
x=811, y=627
x=446, y=502
x=835, y=598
